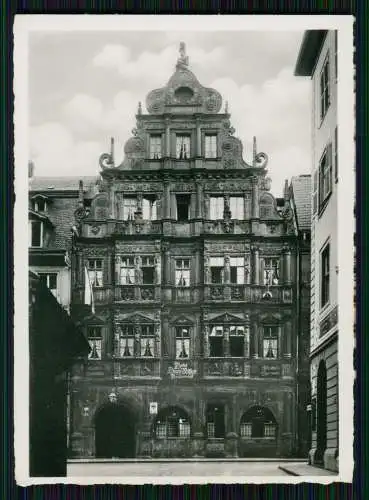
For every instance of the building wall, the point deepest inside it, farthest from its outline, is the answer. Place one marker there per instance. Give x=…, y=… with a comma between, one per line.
x=324, y=320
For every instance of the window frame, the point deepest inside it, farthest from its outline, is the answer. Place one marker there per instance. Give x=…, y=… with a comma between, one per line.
x=155, y=153
x=222, y=268
x=216, y=212
x=131, y=267
x=47, y=275
x=146, y=266
x=92, y=271
x=273, y=269
x=237, y=267
x=185, y=341
x=127, y=213
x=150, y=205
x=181, y=269
x=325, y=176
x=95, y=338
x=179, y=153
x=325, y=277
x=324, y=88
x=30, y=235
x=241, y=199
x=269, y=338
x=209, y=152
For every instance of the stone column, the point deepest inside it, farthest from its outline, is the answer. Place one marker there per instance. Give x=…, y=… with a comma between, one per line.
x=198, y=199
x=167, y=200
x=287, y=339
x=246, y=347
x=226, y=341
x=112, y=201
x=167, y=266
x=256, y=268
x=227, y=270
x=255, y=199
x=206, y=340
x=166, y=347
x=255, y=339
x=198, y=138
x=167, y=138
x=287, y=267
x=206, y=206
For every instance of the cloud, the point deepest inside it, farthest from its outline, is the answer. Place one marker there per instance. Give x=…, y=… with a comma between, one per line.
x=56, y=153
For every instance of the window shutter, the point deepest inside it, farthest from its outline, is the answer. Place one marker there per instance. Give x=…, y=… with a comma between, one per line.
x=330, y=163
x=315, y=193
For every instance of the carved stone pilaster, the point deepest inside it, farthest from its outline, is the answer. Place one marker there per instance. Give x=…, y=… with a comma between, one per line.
x=287, y=339
x=256, y=265
x=255, y=198
x=227, y=269
x=255, y=339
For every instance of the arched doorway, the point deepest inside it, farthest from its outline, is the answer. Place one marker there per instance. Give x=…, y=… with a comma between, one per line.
x=321, y=413
x=258, y=433
x=115, y=432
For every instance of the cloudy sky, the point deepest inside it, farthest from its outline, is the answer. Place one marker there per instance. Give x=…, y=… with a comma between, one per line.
x=84, y=87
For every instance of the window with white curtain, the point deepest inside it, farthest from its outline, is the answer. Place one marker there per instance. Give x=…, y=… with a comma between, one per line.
x=155, y=147
x=182, y=342
x=210, y=146
x=183, y=145
x=129, y=208
x=237, y=265
x=127, y=271
x=236, y=205
x=216, y=207
x=149, y=208
x=182, y=272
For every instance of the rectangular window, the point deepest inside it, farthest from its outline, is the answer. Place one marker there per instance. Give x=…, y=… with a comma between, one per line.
x=270, y=342
x=94, y=337
x=236, y=341
x=147, y=342
x=129, y=208
x=215, y=424
x=236, y=205
x=210, y=146
x=271, y=271
x=237, y=270
x=217, y=269
x=40, y=205
x=95, y=272
x=246, y=430
x=35, y=233
x=50, y=280
x=148, y=270
x=183, y=151
x=336, y=154
x=182, y=272
x=149, y=208
x=183, y=207
x=324, y=293
x=325, y=175
x=182, y=342
x=269, y=430
x=324, y=88
x=126, y=341
x=127, y=271
x=216, y=207
x=216, y=341
x=155, y=147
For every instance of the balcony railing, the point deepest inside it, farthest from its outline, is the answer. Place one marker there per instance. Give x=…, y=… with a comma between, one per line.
x=102, y=295
x=129, y=293
x=248, y=293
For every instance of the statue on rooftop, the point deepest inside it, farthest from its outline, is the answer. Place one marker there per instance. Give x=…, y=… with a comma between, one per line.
x=182, y=61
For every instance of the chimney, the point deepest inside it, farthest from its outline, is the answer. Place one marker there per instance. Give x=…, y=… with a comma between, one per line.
x=286, y=190
x=80, y=193
x=31, y=169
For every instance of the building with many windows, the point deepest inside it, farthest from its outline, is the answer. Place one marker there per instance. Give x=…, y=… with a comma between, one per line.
x=193, y=268
x=318, y=59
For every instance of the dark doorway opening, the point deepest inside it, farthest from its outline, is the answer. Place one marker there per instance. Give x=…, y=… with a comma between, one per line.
x=215, y=421
x=321, y=413
x=115, y=433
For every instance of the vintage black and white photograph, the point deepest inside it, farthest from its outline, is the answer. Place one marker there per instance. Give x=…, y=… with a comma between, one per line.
x=187, y=310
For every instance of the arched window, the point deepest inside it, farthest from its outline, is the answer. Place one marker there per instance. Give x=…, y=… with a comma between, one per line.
x=266, y=206
x=172, y=422
x=258, y=422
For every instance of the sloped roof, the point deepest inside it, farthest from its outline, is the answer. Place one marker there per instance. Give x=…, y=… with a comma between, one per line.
x=301, y=191
x=50, y=184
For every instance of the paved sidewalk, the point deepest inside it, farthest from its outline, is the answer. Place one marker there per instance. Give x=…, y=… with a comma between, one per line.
x=304, y=469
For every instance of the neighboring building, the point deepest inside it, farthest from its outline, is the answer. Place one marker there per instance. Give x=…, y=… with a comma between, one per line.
x=318, y=59
x=193, y=266
x=299, y=193
x=52, y=203
x=54, y=343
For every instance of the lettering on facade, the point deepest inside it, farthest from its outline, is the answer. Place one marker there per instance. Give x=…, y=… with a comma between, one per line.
x=183, y=187
x=229, y=186
x=329, y=322
x=224, y=247
x=181, y=370
x=121, y=188
x=270, y=371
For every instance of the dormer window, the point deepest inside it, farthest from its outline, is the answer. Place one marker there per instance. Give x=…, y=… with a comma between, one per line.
x=40, y=205
x=183, y=147
x=36, y=233
x=155, y=147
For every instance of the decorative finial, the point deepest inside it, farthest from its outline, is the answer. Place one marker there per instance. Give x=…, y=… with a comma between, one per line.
x=112, y=150
x=226, y=108
x=254, y=152
x=182, y=61
x=139, y=111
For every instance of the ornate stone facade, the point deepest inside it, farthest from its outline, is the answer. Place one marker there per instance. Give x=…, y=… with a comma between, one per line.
x=193, y=267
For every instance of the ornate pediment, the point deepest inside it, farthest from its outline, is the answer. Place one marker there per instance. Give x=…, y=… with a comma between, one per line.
x=137, y=318
x=182, y=320
x=270, y=318
x=93, y=320
x=226, y=318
